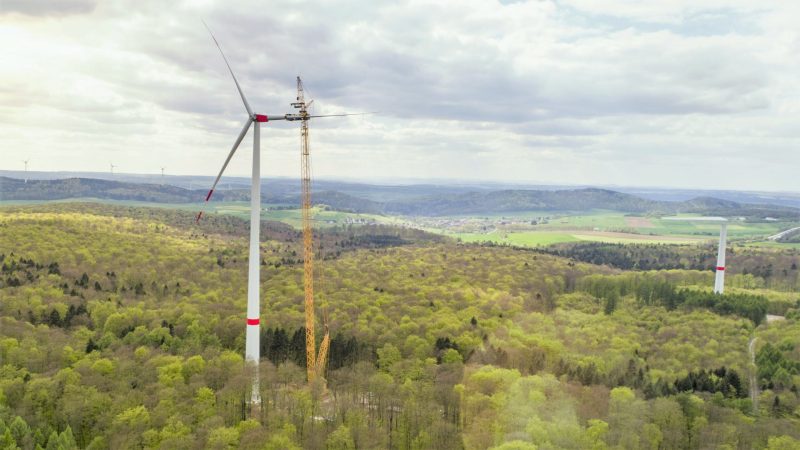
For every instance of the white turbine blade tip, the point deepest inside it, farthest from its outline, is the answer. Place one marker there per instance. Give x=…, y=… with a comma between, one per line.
x=239, y=88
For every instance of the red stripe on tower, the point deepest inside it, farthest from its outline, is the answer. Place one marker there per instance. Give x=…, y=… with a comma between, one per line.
x=719, y=268
x=255, y=321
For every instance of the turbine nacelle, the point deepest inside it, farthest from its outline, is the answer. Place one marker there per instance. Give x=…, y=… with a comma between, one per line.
x=290, y=117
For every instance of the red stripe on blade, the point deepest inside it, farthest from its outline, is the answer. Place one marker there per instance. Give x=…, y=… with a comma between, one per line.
x=253, y=321
x=199, y=215
x=209, y=194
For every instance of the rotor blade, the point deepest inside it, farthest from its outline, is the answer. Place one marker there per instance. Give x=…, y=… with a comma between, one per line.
x=230, y=155
x=342, y=115
x=227, y=160
x=244, y=100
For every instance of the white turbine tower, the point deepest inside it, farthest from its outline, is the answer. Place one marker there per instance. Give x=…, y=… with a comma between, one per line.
x=719, y=279
x=253, y=319
x=26, y=169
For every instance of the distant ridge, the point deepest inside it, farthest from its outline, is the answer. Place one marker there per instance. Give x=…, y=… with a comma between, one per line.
x=15, y=189
x=527, y=200
x=439, y=204
x=62, y=189
x=581, y=200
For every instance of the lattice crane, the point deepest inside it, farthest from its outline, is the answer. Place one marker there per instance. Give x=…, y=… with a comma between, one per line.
x=315, y=362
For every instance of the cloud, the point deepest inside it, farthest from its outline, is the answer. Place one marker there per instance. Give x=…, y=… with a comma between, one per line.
x=47, y=7
x=529, y=90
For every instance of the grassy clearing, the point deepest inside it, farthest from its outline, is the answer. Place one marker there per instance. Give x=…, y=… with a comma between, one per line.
x=602, y=220
x=537, y=238
x=631, y=238
x=736, y=230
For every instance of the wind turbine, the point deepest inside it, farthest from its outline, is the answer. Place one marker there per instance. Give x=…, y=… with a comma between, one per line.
x=112, y=168
x=253, y=319
x=26, y=169
x=719, y=278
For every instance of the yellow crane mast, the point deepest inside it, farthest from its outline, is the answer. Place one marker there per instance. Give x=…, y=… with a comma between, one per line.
x=315, y=363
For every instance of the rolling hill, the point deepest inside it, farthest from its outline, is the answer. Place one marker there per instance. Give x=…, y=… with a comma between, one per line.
x=437, y=204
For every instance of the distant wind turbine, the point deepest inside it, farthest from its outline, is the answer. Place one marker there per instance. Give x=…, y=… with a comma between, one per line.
x=26, y=169
x=719, y=278
x=112, y=168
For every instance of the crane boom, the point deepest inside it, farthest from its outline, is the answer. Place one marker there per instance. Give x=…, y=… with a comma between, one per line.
x=315, y=363
x=308, y=239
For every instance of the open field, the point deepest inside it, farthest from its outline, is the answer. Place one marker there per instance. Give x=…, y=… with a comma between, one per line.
x=537, y=238
x=617, y=237
x=545, y=228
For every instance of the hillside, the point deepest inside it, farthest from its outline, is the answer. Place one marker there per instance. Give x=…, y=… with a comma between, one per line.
x=16, y=189
x=507, y=201
x=526, y=200
x=442, y=204
x=72, y=188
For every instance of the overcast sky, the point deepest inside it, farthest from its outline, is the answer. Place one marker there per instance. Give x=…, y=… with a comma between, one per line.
x=672, y=93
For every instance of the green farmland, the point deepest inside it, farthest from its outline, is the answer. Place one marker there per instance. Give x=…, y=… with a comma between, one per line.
x=533, y=229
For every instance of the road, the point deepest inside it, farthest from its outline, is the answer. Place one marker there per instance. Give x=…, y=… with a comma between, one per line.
x=775, y=237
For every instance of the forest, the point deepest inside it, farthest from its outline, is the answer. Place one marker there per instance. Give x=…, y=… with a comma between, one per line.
x=763, y=267
x=123, y=327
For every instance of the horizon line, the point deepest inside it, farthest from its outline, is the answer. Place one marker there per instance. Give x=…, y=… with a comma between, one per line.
x=393, y=182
